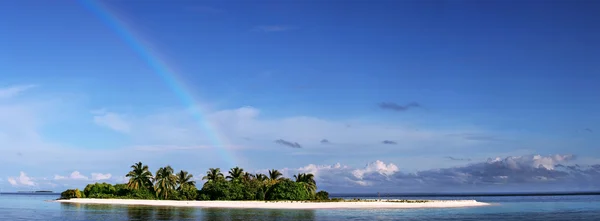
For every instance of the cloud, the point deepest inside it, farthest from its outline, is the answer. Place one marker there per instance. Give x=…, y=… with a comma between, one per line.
x=101, y=176
x=12, y=181
x=176, y=129
x=459, y=159
x=14, y=90
x=288, y=143
x=389, y=142
x=515, y=173
x=113, y=121
x=75, y=175
x=376, y=167
x=325, y=141
x=21, y=180
x=157, y=136
x=398, y=107
x=273, y=28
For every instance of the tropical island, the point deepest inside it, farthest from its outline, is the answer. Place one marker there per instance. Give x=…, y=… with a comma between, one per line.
x=239, y=189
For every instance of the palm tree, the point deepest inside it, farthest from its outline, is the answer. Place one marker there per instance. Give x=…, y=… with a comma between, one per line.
x=248, y=177
x=308, y=180
x=213, y=174
x=261, y=177
x=184, y=179
x=274, y=176
x=235, y=174
x=139, y=176
x=165, y=181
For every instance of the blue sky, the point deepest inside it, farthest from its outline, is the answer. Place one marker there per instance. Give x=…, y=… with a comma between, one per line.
x=400, y=90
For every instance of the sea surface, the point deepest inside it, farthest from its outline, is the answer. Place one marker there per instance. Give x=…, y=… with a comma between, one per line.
x=546, y=208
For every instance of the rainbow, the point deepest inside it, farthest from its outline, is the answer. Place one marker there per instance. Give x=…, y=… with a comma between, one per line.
x=162, y=70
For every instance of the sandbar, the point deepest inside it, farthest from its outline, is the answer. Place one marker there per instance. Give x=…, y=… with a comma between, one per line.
x=375, y=204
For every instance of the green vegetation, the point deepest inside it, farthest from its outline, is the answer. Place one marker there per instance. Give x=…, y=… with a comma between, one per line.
x=71, y=193
x=236, y=185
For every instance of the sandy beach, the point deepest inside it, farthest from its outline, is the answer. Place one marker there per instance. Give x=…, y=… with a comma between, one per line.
x=284, y=204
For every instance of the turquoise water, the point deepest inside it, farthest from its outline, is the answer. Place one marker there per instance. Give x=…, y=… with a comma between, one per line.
x=546, y=208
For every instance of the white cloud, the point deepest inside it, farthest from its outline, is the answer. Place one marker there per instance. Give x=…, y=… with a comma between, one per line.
x=75, y=175
x=21, y=180
x=535, y=161
x=380, y=176
x=113, y=121
x=342, y=175
x=177, y=133
x=529, y=172
x=378, y=167
x=100, y=176
x=120, y=179
x=14, y=90
x=12, y=181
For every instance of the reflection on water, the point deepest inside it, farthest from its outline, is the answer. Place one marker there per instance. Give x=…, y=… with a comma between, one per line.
x=139, y=212
x=256, y=214
x=114, y=212
x=186, y=213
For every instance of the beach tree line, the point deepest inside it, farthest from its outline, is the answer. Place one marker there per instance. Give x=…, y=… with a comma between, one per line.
x=236, y=184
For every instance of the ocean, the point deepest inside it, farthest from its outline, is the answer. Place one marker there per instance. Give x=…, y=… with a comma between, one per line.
x=544, y=208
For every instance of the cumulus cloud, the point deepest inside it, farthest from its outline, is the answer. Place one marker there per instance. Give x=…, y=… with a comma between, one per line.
x=531, y=172
x=22, y=126
x=376, y=167
x=288, y=143
x=101, y=176
x=398, y=107
x=21, y=180
x=113, y=121
x=459, y=159
x=75, y=175
x=389, y=142
x=13, y=91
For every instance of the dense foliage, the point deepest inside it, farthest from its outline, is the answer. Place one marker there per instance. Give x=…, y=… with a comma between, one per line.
x=286, y=189
x=71, y=193
x=322, y=195
x=236, y=185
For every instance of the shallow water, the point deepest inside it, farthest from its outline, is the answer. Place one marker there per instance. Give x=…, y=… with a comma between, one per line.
x=546, y=208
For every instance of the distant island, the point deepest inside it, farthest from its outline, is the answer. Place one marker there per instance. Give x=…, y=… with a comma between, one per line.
x=37, y=191
x=239, y=189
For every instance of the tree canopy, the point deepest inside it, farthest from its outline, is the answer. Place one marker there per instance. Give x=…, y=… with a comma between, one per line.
x=237, y=185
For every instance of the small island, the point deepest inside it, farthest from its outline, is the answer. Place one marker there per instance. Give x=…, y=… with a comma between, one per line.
x=239, y=189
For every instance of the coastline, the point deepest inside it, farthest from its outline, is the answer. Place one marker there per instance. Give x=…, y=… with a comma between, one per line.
x=384, y=204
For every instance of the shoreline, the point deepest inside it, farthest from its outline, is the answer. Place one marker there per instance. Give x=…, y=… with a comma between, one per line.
x=384, y=204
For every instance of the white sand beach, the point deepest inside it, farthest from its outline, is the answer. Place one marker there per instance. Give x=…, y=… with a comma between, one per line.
x=285, y=204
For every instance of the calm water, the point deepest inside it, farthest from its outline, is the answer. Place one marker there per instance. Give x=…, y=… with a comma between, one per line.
x=546, y=208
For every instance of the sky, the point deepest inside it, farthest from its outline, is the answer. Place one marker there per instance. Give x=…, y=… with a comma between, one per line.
x=394, y=96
